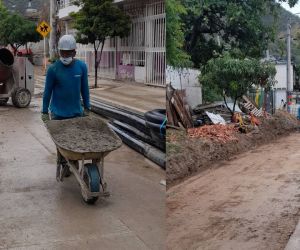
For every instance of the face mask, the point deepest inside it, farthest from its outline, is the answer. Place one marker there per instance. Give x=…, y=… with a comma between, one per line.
x=67, y=60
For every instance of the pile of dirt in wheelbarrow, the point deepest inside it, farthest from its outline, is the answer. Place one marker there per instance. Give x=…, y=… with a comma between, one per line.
x=188, y=154
x=83, y=134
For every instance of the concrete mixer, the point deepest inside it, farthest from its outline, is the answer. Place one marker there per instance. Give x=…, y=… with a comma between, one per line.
x=16, y=79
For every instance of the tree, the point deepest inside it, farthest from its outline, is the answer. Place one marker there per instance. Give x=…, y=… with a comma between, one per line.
x=233, y=78
x=3, y=15
x=218, y=25
x=16, y=30
x=176, y=56
x=214, y=26
x=97, y=20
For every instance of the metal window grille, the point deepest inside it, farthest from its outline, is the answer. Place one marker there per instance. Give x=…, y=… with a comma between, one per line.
x=144, y=47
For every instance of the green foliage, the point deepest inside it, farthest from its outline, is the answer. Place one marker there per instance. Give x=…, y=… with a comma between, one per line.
x=297, y=78
x=16, y=30
x=278, y=47
x=210, y=93
x=97, y=20
x=212, y=27
x=215, y=26
x=231, y=77
x=176, y=56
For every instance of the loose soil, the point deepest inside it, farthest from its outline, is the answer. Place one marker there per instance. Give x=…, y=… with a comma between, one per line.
x=186, y=156
x=251, y=202
x=83, y=134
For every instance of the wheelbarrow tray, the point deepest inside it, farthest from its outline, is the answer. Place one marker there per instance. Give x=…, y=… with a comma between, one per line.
x=83, y=138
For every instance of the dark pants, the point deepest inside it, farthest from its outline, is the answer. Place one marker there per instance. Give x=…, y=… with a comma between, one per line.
x=60, y=158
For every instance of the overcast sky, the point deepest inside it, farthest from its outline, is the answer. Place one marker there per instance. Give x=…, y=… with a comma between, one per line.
x=295, y=9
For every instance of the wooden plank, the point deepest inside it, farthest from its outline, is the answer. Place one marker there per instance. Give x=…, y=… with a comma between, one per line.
x=169, y=114
x=183, y=113
x=174, y=114
x=179, y=110
x=184, y=117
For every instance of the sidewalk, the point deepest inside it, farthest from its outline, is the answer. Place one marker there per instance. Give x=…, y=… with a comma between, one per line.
x=134, y=96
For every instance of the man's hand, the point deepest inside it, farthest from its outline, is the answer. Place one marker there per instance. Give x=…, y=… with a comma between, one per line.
x=86, y=112
x=45, y=117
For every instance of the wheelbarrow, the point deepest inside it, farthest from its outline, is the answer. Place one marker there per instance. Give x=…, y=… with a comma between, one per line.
x=84, y=142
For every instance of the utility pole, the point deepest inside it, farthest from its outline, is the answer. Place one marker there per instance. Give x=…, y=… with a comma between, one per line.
x=53, y=24
x=289, y=65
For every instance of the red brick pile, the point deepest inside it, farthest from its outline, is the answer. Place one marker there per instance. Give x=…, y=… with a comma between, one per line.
x=221, y=133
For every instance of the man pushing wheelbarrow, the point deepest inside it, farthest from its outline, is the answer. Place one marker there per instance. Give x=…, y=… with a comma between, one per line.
x=82, y=142
x=66, y=82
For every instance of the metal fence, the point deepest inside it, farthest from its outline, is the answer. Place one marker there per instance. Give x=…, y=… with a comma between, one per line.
x=142, y=54
x=268, y=101
x=263, y=99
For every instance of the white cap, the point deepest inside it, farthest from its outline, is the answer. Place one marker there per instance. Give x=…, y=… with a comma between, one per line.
x=67, y=42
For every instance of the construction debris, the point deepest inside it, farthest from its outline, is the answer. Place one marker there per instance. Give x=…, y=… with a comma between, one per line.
x=215, y=118
x=221, y=133
x=200, y=113
x=178, y=111
x=251, y=107
x=254, y=120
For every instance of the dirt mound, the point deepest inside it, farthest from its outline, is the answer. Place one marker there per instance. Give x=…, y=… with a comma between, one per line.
x=83, y=134
x=187, y=155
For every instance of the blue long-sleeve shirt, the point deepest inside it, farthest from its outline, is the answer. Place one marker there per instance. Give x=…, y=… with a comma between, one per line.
x=63, y=88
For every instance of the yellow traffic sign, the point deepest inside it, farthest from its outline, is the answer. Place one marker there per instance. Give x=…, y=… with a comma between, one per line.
x=43, y=28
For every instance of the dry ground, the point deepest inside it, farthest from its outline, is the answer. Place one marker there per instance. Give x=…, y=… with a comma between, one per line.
x=251, y=202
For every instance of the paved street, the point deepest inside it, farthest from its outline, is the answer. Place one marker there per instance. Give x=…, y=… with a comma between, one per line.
x=36, y=212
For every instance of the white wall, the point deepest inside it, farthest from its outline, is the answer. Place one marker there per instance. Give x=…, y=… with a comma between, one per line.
x=186, y=79
x=280, y=87
x=279, y=95
x=281, y=76
x=139, y=74
x=64, y=12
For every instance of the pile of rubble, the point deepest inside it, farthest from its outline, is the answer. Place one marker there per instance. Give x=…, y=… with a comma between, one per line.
x=221, y=133
x=218, y=135
x=214, y=121
x=201, y=112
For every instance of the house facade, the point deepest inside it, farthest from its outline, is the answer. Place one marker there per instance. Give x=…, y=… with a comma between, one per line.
x=140, y=57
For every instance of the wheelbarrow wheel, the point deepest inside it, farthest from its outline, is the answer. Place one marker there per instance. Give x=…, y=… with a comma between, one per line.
x=91, y=177
x=21, y=98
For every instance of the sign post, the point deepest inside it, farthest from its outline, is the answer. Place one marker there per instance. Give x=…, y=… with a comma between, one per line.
x=44, y=29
